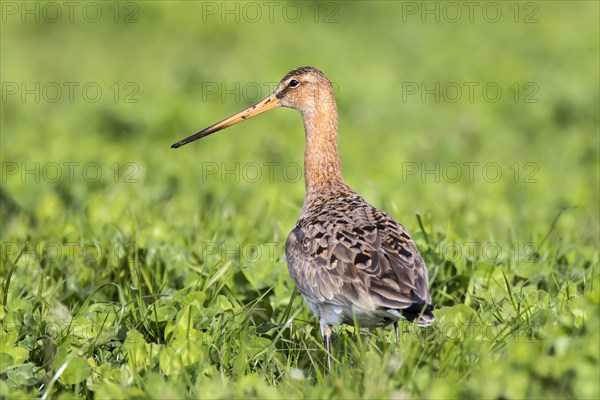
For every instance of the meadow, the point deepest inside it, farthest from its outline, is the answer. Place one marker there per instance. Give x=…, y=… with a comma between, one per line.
x=132, y=270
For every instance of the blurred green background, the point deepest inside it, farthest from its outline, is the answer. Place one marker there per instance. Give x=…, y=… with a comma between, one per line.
x=94, y=93
x=166, y=71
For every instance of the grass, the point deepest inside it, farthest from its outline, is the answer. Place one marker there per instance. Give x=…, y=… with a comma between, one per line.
x=132, y=270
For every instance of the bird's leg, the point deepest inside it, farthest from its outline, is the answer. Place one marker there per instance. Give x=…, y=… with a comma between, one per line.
x=396, y=329
x=326, y=332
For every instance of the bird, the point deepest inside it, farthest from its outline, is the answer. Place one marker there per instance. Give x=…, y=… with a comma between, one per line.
x=351, y=262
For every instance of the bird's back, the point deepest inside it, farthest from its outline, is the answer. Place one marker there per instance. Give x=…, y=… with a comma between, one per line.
x=352, y=261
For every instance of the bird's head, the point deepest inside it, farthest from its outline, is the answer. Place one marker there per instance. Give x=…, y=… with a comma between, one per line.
x=304, y=89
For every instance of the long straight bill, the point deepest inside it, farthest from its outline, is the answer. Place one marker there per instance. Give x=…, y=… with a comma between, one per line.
x=267, y=104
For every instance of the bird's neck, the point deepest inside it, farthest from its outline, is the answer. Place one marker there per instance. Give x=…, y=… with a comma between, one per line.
x=322, y=166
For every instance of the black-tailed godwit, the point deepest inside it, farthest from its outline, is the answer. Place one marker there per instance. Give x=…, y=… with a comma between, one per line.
x=350, y=261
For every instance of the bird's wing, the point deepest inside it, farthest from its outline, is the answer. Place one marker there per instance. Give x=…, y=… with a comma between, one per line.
x=356, y=255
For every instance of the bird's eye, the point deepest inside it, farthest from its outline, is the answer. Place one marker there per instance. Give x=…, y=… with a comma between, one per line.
x=293, y=83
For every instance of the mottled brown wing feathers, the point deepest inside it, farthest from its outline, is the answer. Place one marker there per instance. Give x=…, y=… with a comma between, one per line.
x=344, y=249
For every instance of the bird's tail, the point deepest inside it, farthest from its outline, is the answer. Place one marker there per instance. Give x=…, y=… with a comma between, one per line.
x=421, y=312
